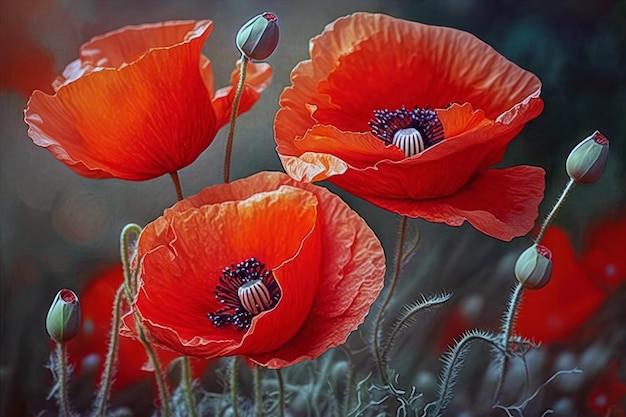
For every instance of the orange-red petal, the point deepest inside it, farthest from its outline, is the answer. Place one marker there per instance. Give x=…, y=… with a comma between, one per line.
x=138, y=103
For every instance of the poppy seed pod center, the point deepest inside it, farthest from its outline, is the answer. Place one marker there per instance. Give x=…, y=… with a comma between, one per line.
x=246, y=289
x=413, y=131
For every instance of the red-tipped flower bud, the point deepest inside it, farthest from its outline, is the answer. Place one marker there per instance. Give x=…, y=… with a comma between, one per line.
x=63, y=320
x=534, y=267
x=258, y=38
x=586, y=163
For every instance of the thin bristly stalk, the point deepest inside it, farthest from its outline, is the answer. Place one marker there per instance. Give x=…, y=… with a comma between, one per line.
x=130, y=285
x=176, y=181
x=63, y=380
x=233, y=118
x=258, y=392
x=508, y=322
x=408, y=315
x=104, y=392
x=164, y=395
x=281, y=393
x=234, y=385
x=125, y=254
x=388, y=296
x=453, y=362
x=555, y=209
x=187, y=386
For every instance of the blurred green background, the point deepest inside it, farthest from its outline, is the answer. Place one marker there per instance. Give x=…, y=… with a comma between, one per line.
x=57, y=228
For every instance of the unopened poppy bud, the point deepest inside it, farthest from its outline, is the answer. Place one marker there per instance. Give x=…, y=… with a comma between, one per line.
x=534, y=267
x=258, y=38
x=63, y=320
x=586, y=163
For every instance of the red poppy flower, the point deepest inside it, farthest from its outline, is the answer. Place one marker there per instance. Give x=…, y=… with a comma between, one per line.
x=264, y=267
x=606, y=398
x=556, y=312
x=87, y=351
x=604, y=258
x=138, y=103
x=409, y=117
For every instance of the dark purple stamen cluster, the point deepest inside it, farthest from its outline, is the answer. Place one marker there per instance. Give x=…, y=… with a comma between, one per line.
x=386, y=123
x=234, y=277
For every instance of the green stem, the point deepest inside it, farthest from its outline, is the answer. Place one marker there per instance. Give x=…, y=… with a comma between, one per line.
x=130, y=284
x=233, y=118
x=186, y=381
x=555, y=210
x=234, y=385
x=507, y=330
x=64, y=402
x=164, y=396
x=258, y=391
x=106, y=380
x=176, y=181
x=394, y=283
x=281, y=393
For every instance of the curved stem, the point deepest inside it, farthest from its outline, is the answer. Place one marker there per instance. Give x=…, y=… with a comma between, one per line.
x=130, y=285
x=233, y=118
x=258, y=392
x=555, y=210
x=64, y=402
x=186, y=381
x=506, y=332
x=234, y=385
x=176, y=181
x=164, y=396
x=394, y=283
x=281, y=393
x=106, y=380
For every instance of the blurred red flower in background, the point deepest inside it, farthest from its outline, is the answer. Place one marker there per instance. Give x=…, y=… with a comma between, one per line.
x=264, y=267
x=87, y=351
x=26, y=63
x=138, y=103
x=579, y=286
x=409, y=117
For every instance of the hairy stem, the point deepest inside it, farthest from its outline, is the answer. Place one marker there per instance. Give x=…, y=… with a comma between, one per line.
x=186, y=382
x=233, y=118
x=62, y=374
x=176, y=181
x=164, y=395
x=130, y=284
x=106, y=380
x=394, y=282
x=555, y=209
x=508, y=323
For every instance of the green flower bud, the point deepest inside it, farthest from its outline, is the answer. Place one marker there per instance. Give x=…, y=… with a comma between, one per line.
x=534, y=267
x=258, y=38
x=63, y=320
x=586, y=163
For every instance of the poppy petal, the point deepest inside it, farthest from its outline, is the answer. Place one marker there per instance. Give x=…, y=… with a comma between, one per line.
x=499, y=202
x=349, y=284
x=258, y=77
